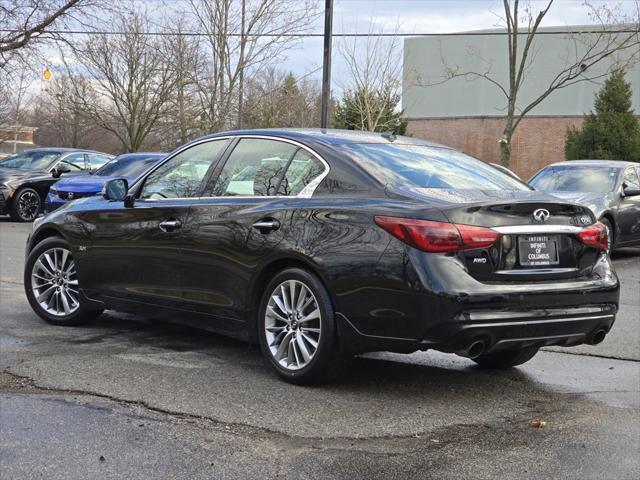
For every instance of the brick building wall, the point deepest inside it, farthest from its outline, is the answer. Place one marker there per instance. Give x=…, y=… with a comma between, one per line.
x=18, y=133
x=538, y=141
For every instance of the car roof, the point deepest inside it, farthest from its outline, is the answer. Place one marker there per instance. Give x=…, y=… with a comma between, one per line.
x=594, y=163
x=60, y=150
x=329, y=136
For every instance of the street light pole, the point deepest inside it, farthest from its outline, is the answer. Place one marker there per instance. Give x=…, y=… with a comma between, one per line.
x=326, y=64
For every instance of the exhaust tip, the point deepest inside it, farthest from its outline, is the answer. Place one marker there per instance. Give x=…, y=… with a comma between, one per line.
x=598, y=337
x=475, y=349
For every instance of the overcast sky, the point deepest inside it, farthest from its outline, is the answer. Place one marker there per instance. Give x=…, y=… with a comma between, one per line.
x=425, y=16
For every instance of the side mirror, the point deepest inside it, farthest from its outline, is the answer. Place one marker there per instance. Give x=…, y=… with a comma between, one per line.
x=116, y=189
x=631, y=191
x=59, y=170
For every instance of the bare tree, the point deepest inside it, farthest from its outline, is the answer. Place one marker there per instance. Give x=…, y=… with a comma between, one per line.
x=26, y=23
x=131, y=83
x=182, y=55
x=373, y=86
x=58, y=114
x=588, y=49
x=235, y=48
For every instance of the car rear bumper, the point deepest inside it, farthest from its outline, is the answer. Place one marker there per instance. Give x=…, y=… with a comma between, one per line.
x=500, y=316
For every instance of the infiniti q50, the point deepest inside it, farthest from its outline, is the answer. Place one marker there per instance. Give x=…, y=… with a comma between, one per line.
x=318, y=244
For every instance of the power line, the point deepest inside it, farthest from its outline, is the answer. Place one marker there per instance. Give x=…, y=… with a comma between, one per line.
x=320, y=35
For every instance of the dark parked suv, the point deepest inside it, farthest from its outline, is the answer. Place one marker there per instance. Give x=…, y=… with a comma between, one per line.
x=320, y=243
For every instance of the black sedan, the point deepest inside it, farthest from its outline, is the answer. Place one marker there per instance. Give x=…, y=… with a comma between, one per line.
x=25, y=177
x=317, y=244
x=611, y=189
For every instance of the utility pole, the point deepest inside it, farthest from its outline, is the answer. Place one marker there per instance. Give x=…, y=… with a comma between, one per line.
x=326, y=64
x=241, y=77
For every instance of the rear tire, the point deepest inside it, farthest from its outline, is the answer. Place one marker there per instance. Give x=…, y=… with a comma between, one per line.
x=27, y=205
x=508, y=359
x=51, y=285
x=296, y=327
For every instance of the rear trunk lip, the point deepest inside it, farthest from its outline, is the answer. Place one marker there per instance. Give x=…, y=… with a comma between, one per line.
x=529, y=229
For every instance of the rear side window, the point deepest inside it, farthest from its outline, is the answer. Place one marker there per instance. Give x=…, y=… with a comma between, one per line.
x=428, y=167
x=254, y=168
x=303, y=169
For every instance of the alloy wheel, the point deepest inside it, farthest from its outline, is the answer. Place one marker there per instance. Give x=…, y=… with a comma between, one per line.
x=54, y=282
x=293, y=324
x=28, y=205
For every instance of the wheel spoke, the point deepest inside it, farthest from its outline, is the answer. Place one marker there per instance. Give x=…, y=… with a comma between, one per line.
x=65, y=302
x=315, y=314
x=279, y=303
x=45, y=294
x=285, y=299
x=313, y=343
x=303, y=348
x=44, y=268
x=275, y=314
x=284, y=345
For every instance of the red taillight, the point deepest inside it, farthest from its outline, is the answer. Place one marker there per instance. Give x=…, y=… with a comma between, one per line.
x=595, y=235
x=437, y=236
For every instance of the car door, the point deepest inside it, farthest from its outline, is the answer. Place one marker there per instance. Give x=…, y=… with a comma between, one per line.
x=629, y=210
x=136, y=251
x=235, y=227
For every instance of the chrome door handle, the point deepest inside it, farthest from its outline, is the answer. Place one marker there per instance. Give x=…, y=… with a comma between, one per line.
x=170, y=225
x=266, y=225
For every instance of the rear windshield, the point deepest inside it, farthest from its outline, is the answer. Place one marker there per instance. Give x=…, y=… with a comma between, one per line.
x=127, y=167
x=429, y=167
x=576, y=179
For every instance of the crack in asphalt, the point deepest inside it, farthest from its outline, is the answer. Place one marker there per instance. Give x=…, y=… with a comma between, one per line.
x=402, y=445
x=583, y=354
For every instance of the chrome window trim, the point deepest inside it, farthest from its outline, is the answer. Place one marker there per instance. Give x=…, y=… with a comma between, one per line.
x=533, y=229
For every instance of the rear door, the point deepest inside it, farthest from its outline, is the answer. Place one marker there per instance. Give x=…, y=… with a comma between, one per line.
x=629, y=210
x=136, y=252
x=237, y=224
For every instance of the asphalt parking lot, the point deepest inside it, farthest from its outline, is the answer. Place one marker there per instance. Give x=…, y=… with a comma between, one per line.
x=132, y=398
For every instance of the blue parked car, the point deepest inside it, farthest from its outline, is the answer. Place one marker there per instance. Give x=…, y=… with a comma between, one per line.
x=129, y=166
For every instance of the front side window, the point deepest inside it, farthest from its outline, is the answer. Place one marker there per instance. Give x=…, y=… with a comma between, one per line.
x=75, y=161
x=182, y=175
x=254, y=168
x=576, y=179
x=428, y=167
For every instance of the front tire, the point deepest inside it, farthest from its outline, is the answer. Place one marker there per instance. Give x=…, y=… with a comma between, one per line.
x=508, y=359
x=296, y=327
x=51, y=284
x=27, y=205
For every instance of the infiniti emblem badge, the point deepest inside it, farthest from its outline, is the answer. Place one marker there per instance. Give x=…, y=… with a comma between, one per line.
x=70, y=195
x=541, y=215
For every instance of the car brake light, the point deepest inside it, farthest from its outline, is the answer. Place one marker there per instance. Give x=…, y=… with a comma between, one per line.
x=437, y=236
x=595, y=235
